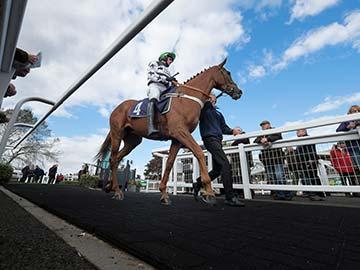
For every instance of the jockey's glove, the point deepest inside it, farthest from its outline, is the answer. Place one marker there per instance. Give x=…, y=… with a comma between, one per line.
x=170, y=79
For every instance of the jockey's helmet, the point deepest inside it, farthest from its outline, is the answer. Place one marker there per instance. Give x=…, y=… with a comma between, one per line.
x=165, y=55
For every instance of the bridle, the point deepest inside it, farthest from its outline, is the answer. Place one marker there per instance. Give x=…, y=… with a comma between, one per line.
x=228, y=90
x=195, y=89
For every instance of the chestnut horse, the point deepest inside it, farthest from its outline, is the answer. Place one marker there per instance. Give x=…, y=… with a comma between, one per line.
x=176, y=125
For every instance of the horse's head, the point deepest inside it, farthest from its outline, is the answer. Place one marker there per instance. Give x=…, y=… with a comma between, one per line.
x=225, y=83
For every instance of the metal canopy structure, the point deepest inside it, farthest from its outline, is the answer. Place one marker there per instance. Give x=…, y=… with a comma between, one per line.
x=11, y=17
x=139, y=24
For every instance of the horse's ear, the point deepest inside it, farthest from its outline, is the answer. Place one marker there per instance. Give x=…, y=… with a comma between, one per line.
x=223, y=62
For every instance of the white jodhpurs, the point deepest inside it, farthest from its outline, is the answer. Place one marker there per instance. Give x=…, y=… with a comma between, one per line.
x=155, y=90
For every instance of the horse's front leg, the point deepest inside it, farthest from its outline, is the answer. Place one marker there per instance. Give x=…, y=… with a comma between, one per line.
x=188, y=141
x=174, y=149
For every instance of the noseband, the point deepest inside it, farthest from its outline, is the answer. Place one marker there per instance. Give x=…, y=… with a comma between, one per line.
x=226, y=89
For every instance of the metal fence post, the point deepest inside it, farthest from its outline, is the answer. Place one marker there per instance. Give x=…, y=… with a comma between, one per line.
x=13, y=118
x=175, y=177
x=244, y=172
x=163, y=164
x=196, y=171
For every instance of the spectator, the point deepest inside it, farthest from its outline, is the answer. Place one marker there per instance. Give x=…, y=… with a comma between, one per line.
x=22, y=62
x=11, y=91
x=212, y=127
x=52, y=173
x=31, y=174
x=340, y=159
x=59, y=178
x=25, y=173
x=353, y=146
x=273, y=160
x=39, y=174
x=84, y=170
x=3, y=118
x=23, y=57
x=306, y=161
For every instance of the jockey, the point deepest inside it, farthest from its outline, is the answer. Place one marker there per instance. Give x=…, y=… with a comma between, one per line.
x=159, y=79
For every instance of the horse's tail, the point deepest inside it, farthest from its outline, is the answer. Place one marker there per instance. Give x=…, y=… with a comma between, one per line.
x=105, y=147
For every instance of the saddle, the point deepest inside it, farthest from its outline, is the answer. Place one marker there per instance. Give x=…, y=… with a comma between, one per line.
x=139, y=109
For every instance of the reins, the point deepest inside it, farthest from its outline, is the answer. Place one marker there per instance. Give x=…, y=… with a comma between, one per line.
x=191, y=88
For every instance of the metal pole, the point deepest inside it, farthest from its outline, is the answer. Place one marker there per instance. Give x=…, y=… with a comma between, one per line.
x=11, y=16
x=244, y=172
x=13, y=118
x=145, y=18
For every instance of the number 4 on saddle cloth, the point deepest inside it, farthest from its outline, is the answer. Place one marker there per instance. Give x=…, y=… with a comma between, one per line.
x=139, y=109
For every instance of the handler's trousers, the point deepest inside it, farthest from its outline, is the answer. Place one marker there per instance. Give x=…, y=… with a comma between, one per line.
x=221, y=165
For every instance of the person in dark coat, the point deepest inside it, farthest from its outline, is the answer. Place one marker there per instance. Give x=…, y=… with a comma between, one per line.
x=38, y=174
x=273, y=160
x=212, y=128
x=306, y=161
x=52, y=174
x=25, y=173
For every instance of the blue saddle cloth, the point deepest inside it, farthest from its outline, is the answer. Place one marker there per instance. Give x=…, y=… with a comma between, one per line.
x=139, y=109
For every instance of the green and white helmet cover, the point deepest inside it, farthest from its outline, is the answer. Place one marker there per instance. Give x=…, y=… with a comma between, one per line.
x=165, y=55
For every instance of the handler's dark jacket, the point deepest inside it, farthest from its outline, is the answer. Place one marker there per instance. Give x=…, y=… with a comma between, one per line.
x=271, y=156
x=212, y=123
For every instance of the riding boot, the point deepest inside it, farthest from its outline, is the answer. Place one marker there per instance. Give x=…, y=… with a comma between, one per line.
x=150, y=117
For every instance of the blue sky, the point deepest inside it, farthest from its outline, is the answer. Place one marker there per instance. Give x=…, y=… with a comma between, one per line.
x=295, y=60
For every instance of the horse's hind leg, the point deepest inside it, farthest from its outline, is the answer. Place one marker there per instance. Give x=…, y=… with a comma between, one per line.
x=116, y=138
x=130, y=142
x=174, y=149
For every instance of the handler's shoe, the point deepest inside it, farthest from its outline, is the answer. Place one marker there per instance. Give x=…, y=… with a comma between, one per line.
x=234, y=201
x=196, y=187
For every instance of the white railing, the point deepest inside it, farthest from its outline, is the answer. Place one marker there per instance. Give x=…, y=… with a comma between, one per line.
x=186, y=168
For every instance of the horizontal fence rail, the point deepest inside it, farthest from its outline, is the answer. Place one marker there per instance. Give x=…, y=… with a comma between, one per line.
x=310, y=165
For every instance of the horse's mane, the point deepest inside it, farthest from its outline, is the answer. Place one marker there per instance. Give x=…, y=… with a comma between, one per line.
x=197, y=74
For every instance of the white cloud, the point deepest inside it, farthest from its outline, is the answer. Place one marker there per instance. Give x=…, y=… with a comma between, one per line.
x=73, y=39
x=324, y=130
x=331, y=103
x=259, y=5
x=256, y=71
x=315, y=40
x=264, y=9
x=77, y=150
x=305, y=8
x=104, y=112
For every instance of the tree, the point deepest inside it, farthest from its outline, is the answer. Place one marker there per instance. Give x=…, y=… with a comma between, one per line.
x=153, y=168
x=38, y=147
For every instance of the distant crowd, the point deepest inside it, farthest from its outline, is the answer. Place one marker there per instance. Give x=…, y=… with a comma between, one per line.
x=302, y=161
x=34, y=174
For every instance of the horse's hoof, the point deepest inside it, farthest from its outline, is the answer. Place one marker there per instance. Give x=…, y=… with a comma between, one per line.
x=118, y=197
x=165, y=202
x=208, y=199
x=107, y=189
